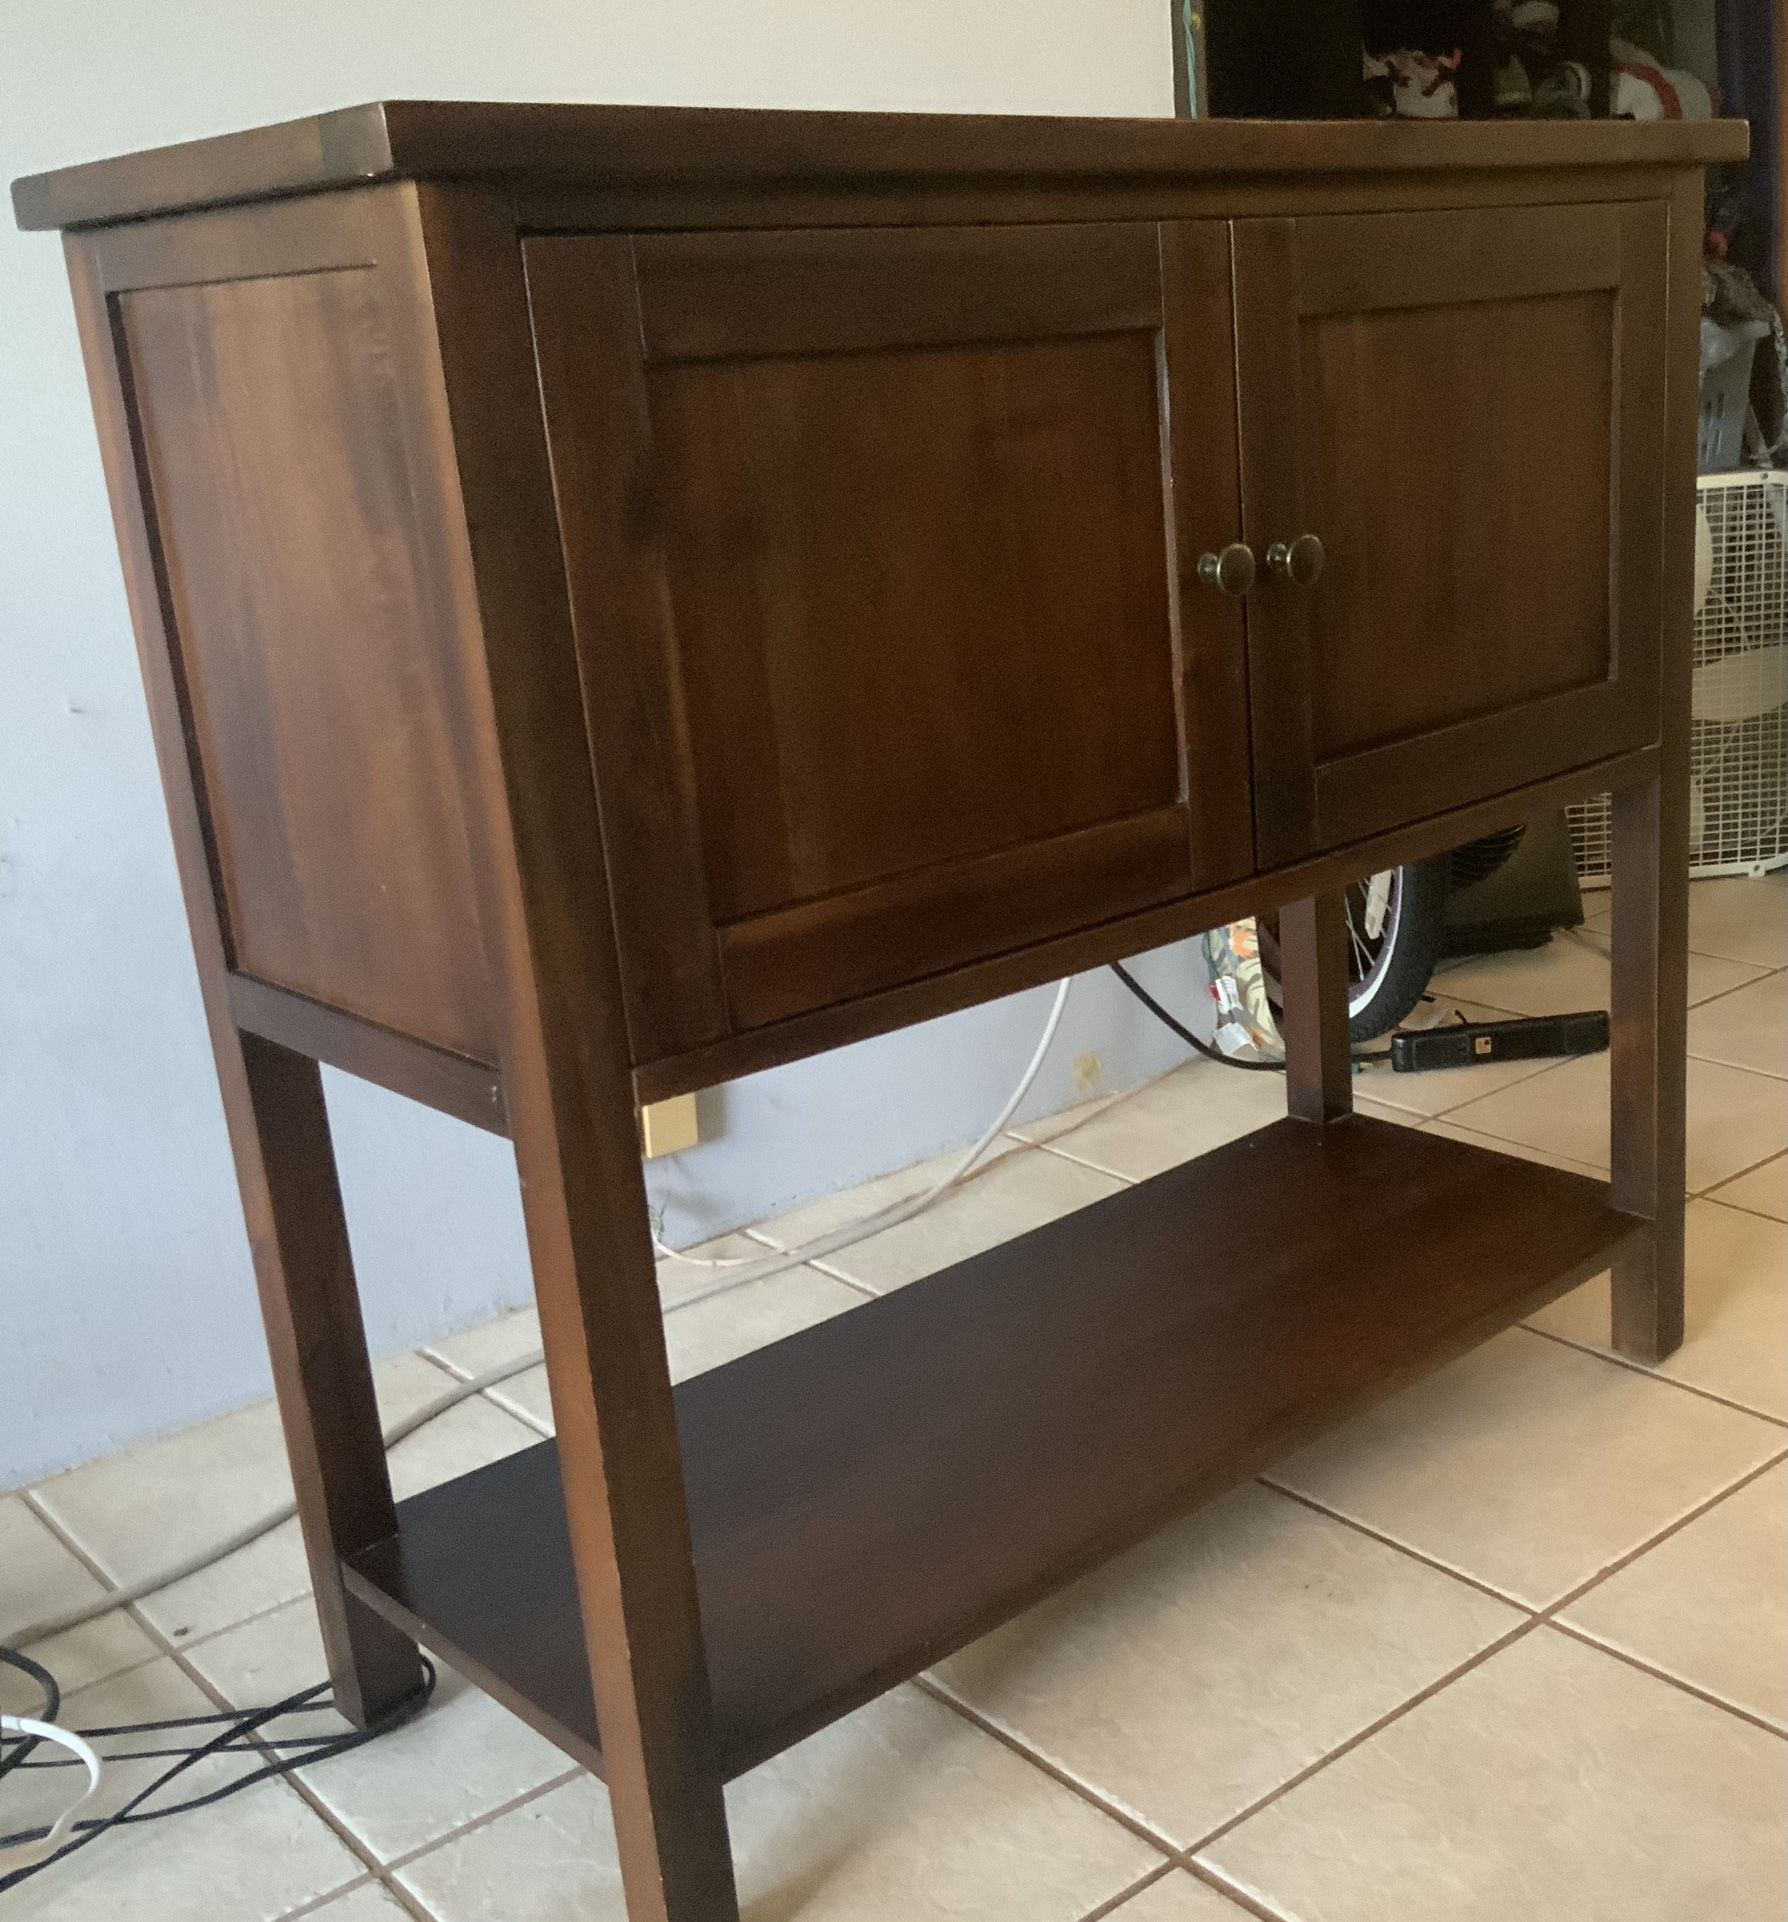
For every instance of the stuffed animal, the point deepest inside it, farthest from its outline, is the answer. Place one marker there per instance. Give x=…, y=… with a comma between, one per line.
x=1413, y=85
x=1644, y=89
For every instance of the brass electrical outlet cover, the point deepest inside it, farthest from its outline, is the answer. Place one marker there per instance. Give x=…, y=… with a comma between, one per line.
x=668, y=1127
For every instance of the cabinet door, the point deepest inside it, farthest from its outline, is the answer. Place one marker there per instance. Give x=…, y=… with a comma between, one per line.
x=1466, y=408
x=883, y=554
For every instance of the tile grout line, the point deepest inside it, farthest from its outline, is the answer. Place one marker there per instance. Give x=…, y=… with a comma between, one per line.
x=27, y=1497
x=517, y=1412
x=1682, y=1521
x=311, y=1904
x=376, y=1872
x=289, y=1779
x=407, y=1903
x=384, y=1873
x=389, y=1871
x=1664, y=1675
x=820, y=1266
x=175, y=1653
x=1113, y=1903
x=1710, y=1193
x=1533, y=1619
x=441, y=1362
x=1521, y=1080
x=1098, y=1168
x=1439, y=1567
x=1583, y=936
x=1650, y=1373
x=1507, y=1639
x=430, y=1351
x=1544, y=1618
x=242, y=1621
x=1738, y=1067
x=1249, y=1904
x=1515, y=1013
x=1738, y=987
x=1046, y=1765
x=1519, y=1150
x=759, y=1231
x=361, y=1852
x=1506, y=1142
x=132, y=1611
x=1419, y=1119
x=1738, y=1207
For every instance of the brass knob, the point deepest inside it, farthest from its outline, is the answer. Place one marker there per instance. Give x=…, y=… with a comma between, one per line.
x=1231, y=572
x=1300, y=562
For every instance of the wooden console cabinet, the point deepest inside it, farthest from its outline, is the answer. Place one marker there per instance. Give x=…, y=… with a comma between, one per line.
x=633, y=596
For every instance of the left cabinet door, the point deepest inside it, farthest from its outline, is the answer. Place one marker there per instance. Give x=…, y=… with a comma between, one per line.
x=883, y=547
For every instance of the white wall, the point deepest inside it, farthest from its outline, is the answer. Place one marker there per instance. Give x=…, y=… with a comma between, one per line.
x=125, y=1299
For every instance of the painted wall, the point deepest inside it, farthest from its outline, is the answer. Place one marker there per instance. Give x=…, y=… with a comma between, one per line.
x=125, y=1298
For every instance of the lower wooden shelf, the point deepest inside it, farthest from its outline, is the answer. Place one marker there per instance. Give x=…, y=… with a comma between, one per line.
x=876, y=1491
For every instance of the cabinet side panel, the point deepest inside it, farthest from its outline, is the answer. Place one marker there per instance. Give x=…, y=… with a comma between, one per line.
x=284, y=508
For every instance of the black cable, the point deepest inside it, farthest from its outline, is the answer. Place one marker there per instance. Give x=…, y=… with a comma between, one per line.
x=52, y=1701
x=236, y=1745
x=234, y=1729
x=204, y=1720
x=1204, y=1047
x=238, y=1726
x=52, y=1689
x=1185, y=1034
x=89, y=1830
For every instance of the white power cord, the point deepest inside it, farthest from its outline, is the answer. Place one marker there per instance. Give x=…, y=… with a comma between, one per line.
x=23, y=1855
x=751, y=1268
x=747, y=1271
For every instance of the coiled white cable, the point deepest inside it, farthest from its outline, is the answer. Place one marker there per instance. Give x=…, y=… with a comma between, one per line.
x=22, y=1855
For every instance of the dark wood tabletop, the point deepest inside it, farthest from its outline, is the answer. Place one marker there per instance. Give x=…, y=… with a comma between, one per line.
x=450, y=139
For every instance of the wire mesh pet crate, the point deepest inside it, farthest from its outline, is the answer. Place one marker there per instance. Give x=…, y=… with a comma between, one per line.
x=1738, y=820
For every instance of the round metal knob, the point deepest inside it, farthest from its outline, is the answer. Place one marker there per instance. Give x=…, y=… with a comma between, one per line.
x=1231, y=572
x=1300, y=562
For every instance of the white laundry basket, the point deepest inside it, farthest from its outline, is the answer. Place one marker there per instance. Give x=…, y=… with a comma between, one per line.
x=1739, y=728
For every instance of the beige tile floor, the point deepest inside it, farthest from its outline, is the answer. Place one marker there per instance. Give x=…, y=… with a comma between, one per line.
x=1510, y=1646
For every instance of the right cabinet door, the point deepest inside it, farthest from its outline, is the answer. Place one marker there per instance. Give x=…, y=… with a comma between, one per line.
x=1466, y=410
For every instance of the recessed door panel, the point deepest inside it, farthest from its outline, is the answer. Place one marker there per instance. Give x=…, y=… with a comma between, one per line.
x=921, y=602
x=1422, y=518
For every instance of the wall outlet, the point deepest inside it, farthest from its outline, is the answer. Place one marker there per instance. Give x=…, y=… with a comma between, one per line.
x=668, y=1127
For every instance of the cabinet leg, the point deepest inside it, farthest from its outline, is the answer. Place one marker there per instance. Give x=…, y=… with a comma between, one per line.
x=566, y=1061
x=321, y=1372
x=596, y=1283
x=1313, y=984
x=1649, y=1066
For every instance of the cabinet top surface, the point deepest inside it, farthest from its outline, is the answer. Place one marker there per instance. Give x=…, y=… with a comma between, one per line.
x=628, y=147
